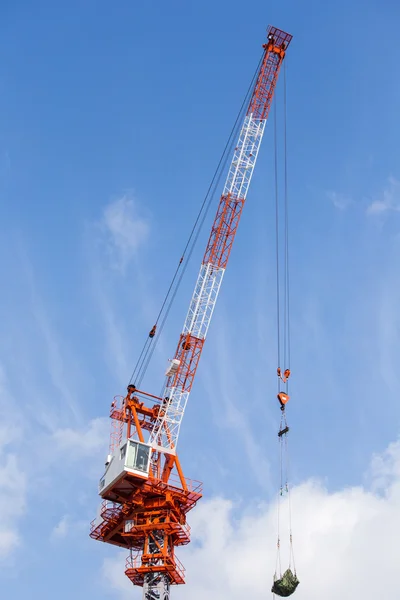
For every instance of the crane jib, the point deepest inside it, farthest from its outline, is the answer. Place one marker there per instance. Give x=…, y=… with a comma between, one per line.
x=183, y=367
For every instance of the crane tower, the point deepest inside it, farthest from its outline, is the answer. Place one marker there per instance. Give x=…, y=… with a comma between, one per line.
x=145, y=495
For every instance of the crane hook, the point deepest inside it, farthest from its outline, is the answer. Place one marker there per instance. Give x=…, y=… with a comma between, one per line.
x=283, y=399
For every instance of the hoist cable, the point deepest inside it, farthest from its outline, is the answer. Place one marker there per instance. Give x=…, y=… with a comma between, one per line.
x=282, y=261
x=283, y=304
x=277, y=240
x=144, y=358
x=287, y=279
x=140, y=361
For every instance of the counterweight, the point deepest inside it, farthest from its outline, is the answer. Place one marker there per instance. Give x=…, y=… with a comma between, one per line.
x=145, y=495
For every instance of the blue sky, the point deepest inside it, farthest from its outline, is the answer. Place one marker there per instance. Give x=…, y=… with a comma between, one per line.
x=114, y=118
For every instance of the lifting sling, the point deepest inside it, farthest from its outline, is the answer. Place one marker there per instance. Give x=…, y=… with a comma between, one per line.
x=286, y=584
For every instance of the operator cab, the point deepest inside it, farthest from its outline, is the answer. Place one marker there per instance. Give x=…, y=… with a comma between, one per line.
x=130, y=459
x=136, y=456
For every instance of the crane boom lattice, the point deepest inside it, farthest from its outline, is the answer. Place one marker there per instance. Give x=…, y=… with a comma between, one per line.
x=219, y=245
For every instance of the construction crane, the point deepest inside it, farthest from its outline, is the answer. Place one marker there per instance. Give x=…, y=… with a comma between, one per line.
x=145, y=495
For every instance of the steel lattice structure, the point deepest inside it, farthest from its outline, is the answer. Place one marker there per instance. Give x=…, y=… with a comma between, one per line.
x=145, y=495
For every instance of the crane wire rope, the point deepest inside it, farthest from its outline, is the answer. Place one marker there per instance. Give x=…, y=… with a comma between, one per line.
x=284, y=463
x=278, y=330
x=287, y=279
x=278, y=302
x=287, y=308
x=277, y=239
x=283, y=357
x=148, y=347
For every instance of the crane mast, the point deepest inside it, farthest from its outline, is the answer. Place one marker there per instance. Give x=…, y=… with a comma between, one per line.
x=145, y=494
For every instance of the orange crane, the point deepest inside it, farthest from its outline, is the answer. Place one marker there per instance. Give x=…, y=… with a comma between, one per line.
x=145, y=495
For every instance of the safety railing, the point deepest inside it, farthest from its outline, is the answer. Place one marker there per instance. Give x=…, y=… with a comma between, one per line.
x=193, y=486
x=135, y=562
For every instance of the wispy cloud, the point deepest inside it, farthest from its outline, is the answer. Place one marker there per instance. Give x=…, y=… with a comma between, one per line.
x=67, y=526
x=12, y=501
x=388, y=201
x=388, y=334
x=61, y=529
x=125, y=230
x=114, y=331
x=223, y=382
x=86, y=441
x=115, y=243
x=57, y=367
x=12, y=473
x=339, y=200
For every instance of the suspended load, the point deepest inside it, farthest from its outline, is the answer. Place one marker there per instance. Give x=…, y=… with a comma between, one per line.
x=286, y=585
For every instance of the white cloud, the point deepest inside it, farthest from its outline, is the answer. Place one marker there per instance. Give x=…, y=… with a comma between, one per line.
x=340, y=201
x=83, y=442
x=66, y=526
x=346, y=543
x=389, y=201
x=126, y=231
x=61, y=529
